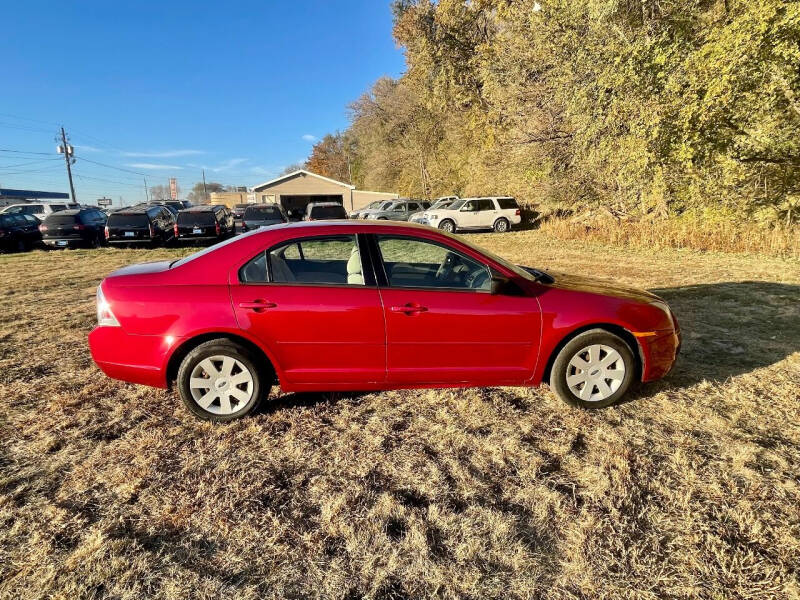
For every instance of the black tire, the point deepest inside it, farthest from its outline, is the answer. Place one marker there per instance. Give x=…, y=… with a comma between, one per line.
x=226, y=348
x=561, y=368
x=448, y=225
x=501, y=225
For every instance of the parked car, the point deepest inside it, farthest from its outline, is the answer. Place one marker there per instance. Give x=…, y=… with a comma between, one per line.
x=205, y=223
x=371, y=306
x=444, y=202
x=323, y=211
x=399, y=210
x=142, y=224
x=356, y=214
x=261, y=215
x=74, y=227
x=379, y=206
x=174, y=206
x=38, y=209
x=238, y=210
x=497, y=214
x=19, y=232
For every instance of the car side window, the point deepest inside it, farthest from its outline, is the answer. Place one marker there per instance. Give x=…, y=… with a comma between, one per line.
x=485, y=204
x=411, y=262
x=399, y=208
x=470, y=206
x=334, y=260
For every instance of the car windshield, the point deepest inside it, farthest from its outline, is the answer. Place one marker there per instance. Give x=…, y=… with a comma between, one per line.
x=6, y=221
x=442, y=203
x=516, y=269
x=196, y=218
x=57, y=219
x=327, y=212
x=263, y=213
x=127, y=220
x=457, y=204
x=385, y=205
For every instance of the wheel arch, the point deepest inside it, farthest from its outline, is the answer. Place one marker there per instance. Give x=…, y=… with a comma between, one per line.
x=617, y=330
x=180, y=352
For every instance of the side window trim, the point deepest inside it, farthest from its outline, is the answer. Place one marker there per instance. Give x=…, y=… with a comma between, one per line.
x=367, y=267
x=383, y=278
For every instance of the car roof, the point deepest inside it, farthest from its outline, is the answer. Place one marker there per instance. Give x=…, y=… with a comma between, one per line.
x=71, y=212
x=203, y=208
x=135, y=210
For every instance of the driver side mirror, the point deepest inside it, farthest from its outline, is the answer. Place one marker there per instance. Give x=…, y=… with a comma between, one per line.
x=498, y=284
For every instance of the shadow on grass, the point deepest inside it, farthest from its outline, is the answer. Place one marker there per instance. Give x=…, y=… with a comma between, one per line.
x=733, y=328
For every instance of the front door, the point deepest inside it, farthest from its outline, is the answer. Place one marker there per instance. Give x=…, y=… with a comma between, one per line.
x=442, y=323
x=308, y=301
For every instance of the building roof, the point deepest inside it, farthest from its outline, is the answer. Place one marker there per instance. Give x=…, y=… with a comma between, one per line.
x=301, y=172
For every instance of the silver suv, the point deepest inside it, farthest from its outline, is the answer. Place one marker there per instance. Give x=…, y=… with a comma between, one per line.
x=399, y=210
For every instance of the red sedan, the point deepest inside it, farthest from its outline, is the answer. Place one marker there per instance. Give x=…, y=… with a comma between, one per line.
x=322, y=306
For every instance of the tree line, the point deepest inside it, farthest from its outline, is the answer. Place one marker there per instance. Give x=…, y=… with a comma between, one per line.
x=642, y=107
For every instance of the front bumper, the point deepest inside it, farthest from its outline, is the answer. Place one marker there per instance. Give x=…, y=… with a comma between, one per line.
x=659, y=353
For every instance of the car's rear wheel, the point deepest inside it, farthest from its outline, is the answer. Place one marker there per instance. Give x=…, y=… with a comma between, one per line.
x=448, y=226
x=593, y=370
x=220, y=380
x=501, y=225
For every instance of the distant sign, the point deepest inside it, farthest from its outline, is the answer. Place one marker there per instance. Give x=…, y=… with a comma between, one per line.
x=173, y=188
x=104, y=202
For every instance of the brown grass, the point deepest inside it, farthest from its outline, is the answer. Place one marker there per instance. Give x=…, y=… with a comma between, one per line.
x=689, y=490
x=693, y=233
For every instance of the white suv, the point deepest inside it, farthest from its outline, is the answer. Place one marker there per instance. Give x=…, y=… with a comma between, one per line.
x=496, y=213
x=40, y=210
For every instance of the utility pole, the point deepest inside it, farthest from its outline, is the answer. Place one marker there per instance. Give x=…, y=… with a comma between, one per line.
x=146, y=193
x=68, y=151
x=205, y=193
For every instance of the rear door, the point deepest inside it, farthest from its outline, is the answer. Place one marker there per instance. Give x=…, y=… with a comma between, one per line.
x=317, y=308
x=442, y=323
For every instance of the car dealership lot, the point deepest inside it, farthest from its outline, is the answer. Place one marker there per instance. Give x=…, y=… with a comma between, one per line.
x=690, y=489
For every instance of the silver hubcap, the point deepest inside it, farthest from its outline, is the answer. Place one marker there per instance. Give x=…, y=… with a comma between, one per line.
x=448, y=227
x=595, y=372
x=501, y=226
x=221, y=385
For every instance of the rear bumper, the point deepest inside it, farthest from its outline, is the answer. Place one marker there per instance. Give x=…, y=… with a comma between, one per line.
x=64, y=242
x=133, y=358
x=659, y=354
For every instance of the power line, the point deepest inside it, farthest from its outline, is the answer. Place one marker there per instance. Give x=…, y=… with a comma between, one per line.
x=26, y=152
x=135, y=185
x=109, y=166
x=25, y=164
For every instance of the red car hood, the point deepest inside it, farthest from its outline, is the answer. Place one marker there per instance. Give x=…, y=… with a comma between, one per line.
x=602, y=287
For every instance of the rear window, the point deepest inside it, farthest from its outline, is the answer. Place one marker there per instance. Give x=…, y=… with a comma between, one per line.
x=7, y=221
x=263, y=212
x=196, y=218
x=507, y=203
x=59, y=219
x=327, y=212
x=127, y=220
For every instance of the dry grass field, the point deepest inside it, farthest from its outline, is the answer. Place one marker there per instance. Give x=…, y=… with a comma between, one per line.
x=689, y=490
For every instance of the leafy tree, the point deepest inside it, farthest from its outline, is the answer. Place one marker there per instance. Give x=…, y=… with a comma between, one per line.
x=198, y=195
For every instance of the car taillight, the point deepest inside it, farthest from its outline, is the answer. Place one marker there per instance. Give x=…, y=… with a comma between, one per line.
x=175, y=230
x=2, y=232
x=42, y=227
x=517, y=212
x=107, y=234
x=150, y=229
x=79, y=227
x=105, y=318
x=216, y=226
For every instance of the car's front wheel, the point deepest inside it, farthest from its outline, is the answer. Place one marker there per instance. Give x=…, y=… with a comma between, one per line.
x=593, y=370
x=448, y=226
x=220, y=380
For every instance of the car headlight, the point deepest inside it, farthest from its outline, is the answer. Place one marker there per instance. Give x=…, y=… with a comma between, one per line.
x=433, y=217
x=372, y=216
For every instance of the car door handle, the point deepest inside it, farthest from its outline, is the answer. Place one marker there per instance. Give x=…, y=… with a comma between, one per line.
x=257, y=305
x=409, y=308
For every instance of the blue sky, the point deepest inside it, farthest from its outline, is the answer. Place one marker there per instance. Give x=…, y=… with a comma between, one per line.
x=167, y=88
